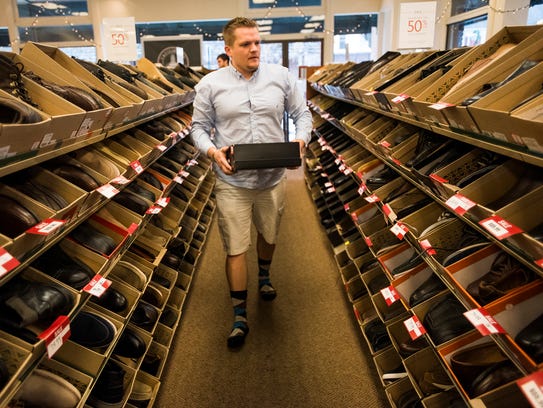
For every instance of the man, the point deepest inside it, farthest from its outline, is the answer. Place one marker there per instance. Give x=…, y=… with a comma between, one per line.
x=245, y=103
x=223, y=60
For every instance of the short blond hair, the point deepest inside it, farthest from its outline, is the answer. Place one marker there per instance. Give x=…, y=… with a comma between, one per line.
x=230, y=27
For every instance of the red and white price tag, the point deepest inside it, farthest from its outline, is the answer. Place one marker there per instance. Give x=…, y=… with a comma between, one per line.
x=178, y=179
x=396, y=161
x=368, y=241
x=539, y=262
x=184, y=173
x=400, y=98
x=389, y=212
x=440, y=105
x=348, y=170
x=164, y=201
x=107, y=190
x=385, y=144
x=532, y=388
x=372, y=198
x=331, y=189
x=342, y=167
x=97, y=286
x=328, y=184
x=173, y=136
x=499, y=227
x=483, y=322
x=119, y=180
x=460, y=204
x=7, y=262
x=56, y=335
x=399, y=229
x=361, y=189
x=414, y=327
x=390, y=295
x=46, y=227
x=154, y=209
x=425, y=244
x=346, y=207
x=161, y=147
x=136, y=165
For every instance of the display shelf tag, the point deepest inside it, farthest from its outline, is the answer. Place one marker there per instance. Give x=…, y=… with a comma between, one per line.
x=539, y=262
x=348, y=170
x=499, y=227
x=390, y=295
x=385, y=144
x=425, y=244
x=154, y=209
x=414, y=327
x=164, y=201
x=161, y=147
x=460, y=204
x=483, y=322
x=400, y=98
x=328, y=184
x=178, y=179
x=56, y=335
x=46, y=227
x=346, y=207
x=136, y=165
x=361, y=189
x=372, y=198
x=532, y=388
x=437, y=178
x=97, y=286
x=7, y=262
x=389, y=212
x=440, y=105
x=399, y=229
x=119, y=180
x=368, y=241
x=107, y=190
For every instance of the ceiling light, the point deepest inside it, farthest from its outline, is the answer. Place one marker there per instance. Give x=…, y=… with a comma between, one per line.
x=265, y=28
x=265, y=32
x=49, y=5
x=264, y=22
x=312, y=25
x=307, y=30
x=263, y=1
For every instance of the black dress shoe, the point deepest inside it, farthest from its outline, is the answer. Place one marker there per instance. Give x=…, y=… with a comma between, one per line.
x=76, y=175
x=493, y=377
x=384, y=176
x=144, y=316
x=132, y=201
x=430, y=287
x=130, y=345
x=109, y=387
x=24, y=302
x=530, y=339
x=409, y=346
x=90, y=237
x=409, y=399
x=377, y=335
x=91, y=330
x=58, y=264
x=112, y=300
x=4, y=373
x=16, y=218
x=445, y=320
x=16, y=112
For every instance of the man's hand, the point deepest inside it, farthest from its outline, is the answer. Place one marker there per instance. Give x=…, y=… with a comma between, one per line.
x=302, y=151
x=219, y=157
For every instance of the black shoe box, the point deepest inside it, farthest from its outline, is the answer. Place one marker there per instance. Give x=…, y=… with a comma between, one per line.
x=265, y=155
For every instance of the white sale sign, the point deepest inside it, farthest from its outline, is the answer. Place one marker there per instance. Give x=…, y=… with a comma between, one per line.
x=120, y=39
x=417, y=25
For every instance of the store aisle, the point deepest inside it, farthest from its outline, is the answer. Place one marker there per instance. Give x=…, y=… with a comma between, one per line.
x=304, y=349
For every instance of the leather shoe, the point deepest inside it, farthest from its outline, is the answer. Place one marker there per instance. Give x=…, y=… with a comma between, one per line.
x=76, y=175
x=4, y=373
x=109, y=387
x=130, y=274
x=58, y=264
x=144, y=316
x=445, y=320
x=409, y=399
x=505, y=274
x=23, y=302
x=91, y=330
x=494, y=376
x=530, y=339
x=112, y=300
x=47, y=390
x=16, y=218
x=132, y=201
x=90, y=237
x=430, y=287
x=17, y=112
x=130, y=345
x=377, y=335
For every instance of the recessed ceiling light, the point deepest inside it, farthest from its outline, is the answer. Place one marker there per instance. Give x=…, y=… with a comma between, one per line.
x=317, y=18
x=264, y=22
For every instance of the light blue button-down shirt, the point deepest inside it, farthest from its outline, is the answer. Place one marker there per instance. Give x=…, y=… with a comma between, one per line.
x=248, y=111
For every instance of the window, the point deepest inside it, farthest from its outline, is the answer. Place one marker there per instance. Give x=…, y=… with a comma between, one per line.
x=535, y=12
x=463, y=6
x=56, y=33
x=46, y=8
x=467, y=33
x=354, y=37
x=4, y=39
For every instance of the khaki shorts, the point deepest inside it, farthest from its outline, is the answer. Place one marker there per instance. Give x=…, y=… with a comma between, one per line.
x=238, y=208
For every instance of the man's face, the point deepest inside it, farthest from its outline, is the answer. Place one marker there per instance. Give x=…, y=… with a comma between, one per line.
x=221, y=63
x=245, y=52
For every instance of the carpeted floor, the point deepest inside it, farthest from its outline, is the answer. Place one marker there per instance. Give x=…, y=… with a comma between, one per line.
x=304, y=349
